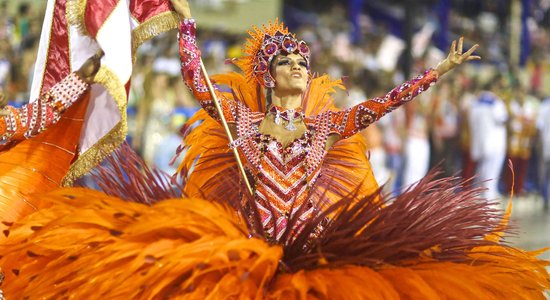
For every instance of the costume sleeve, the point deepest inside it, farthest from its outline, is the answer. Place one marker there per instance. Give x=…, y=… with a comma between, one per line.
x=190, y=57
x=350, y=121
x=33, y=118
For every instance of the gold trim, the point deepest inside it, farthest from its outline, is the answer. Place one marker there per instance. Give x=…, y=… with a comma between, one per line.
x=152, y=27
x=112, y=140
x=69, y=42
x=47, y=49
x=107, y=19
x=75, y=11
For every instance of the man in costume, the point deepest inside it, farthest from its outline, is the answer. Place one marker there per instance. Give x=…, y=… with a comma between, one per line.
x=432, y=242
x=488, y=118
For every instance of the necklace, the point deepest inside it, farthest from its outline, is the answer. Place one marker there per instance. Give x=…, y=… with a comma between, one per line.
x=288, y=115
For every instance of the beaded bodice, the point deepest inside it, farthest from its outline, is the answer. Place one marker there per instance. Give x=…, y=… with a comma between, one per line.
x=281, y=183
x=282, y=175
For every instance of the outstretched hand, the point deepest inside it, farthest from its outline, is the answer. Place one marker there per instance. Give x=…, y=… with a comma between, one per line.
x=89, y=69
x=182, y=8
x=456, y=57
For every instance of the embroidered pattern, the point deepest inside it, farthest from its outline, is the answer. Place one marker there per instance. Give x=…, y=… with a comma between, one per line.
x=190, y=57
x=35, y=117
x=354, y=119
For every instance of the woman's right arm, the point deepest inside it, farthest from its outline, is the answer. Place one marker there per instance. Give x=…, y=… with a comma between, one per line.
x=190, y=57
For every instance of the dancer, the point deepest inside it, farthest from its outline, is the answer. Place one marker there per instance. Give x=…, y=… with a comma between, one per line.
x=283, y=146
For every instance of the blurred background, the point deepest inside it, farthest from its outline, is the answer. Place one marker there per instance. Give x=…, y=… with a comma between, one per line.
x=473, y=122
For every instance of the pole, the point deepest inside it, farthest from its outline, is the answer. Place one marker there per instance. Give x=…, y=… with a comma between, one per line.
x=225, y=126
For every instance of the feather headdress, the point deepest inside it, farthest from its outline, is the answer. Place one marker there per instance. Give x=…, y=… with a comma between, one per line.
x=263, y=45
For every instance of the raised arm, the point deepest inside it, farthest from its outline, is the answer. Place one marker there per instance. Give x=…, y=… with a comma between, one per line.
x=190, y=57
x=350, y=121
x=33, y=118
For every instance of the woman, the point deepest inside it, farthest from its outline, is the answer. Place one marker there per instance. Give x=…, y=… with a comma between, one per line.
x=280, y=131
x=430, y=243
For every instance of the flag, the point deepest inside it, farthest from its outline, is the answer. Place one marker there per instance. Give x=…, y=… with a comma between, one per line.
x=74, y=30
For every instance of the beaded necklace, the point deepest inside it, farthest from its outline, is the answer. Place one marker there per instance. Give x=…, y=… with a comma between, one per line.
x=288, y=115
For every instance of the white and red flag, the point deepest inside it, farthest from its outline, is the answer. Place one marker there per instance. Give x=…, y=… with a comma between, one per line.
x=74, y=30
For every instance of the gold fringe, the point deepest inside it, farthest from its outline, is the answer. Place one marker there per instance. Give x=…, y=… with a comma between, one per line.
x=112, y=140
x=153, y=27
x=75, y=12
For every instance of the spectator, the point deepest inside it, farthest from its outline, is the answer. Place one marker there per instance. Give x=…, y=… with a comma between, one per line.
x=488, y=118
x=543, y=125
x=522, y=130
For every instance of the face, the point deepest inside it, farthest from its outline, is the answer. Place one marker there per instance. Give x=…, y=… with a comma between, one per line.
x=290, y=73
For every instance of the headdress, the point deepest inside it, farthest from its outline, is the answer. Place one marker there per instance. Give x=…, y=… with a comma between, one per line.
x=263, y=45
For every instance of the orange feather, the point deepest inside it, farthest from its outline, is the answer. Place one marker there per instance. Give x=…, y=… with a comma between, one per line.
x=38, y=164
x=90, y=245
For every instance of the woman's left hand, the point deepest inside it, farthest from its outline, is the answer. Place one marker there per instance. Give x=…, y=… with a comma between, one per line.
x=456, y=57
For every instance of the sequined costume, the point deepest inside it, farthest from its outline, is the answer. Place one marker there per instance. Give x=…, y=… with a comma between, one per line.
x=35, y=117
x=282, y=176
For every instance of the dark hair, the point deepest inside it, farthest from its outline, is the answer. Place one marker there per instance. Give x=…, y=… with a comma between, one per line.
x=268, y=100
x=272, y=66
x=494, y=82
x=23, y=8
x=269, y=92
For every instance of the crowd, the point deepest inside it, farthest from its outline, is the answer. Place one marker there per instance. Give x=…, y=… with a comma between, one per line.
x=476, y=119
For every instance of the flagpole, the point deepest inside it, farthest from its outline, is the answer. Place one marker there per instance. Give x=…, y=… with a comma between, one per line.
x=225, y=126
